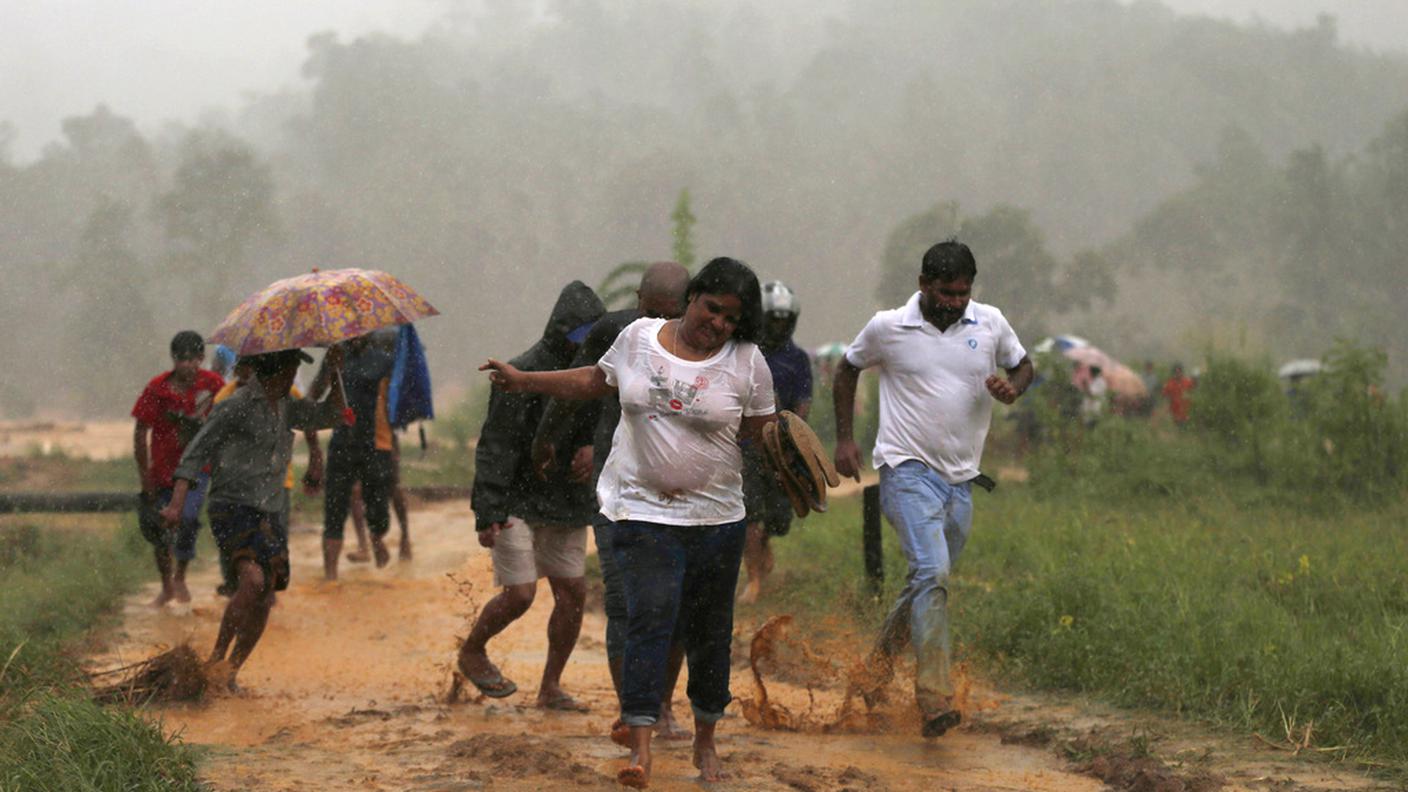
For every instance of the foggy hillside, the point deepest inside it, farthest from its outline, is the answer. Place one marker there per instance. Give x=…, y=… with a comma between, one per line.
x=498, y=156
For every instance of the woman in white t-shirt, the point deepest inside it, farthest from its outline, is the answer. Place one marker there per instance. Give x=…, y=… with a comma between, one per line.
x=691, y=390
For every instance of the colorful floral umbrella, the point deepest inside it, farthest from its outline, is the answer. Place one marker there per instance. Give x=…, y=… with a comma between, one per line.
x=319, y=309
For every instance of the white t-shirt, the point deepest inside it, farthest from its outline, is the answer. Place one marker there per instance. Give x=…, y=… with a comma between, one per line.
x=675, y=457
x=934, y=405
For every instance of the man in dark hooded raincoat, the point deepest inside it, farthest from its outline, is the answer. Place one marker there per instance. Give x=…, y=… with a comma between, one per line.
x=535, y=527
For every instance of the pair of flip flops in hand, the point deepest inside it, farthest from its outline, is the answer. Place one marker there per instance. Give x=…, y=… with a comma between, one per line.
x=800, y=462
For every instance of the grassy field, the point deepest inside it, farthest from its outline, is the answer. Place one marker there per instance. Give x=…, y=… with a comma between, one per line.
x=55, y=584
x=1224, y=604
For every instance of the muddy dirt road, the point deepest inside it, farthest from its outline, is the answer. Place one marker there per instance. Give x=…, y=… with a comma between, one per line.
x=346, y=691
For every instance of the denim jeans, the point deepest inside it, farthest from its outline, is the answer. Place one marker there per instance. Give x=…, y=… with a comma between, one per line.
x=932, y=519
x=615, y=599
x=679, y=582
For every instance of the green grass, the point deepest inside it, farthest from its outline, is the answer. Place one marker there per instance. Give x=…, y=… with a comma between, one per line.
x=1223, y=606
x=55, y=584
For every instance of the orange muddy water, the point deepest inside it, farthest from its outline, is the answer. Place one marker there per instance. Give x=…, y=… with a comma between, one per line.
x=347, y=689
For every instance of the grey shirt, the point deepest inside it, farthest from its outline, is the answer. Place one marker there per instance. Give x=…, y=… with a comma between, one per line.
x=247, y=443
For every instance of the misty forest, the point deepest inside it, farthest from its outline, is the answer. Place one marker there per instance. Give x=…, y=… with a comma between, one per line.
x=1154, y=181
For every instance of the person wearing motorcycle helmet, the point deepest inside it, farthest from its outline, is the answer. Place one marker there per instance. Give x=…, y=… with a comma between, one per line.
x=769, y=510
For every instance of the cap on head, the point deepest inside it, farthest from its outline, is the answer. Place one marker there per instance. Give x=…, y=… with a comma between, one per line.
x=187, y=344
x=780, y=301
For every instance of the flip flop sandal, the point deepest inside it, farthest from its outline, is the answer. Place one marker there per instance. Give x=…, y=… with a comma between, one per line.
x=496, y=686
x=564, y=703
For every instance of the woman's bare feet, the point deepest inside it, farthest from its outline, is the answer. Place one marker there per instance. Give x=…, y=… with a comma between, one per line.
x=636, y=773
x=706, y=755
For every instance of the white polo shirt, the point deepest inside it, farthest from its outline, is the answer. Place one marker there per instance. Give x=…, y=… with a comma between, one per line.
x=934, y=405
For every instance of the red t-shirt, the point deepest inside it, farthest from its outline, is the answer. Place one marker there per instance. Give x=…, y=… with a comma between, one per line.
x=162, y=408
x=1176, y=391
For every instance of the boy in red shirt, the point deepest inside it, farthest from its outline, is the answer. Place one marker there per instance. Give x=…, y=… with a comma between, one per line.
x=170, y=410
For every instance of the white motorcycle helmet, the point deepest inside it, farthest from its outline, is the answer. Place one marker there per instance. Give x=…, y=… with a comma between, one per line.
x=779, y=302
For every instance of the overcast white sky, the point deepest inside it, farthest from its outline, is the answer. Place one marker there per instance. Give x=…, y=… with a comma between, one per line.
x=157, y=60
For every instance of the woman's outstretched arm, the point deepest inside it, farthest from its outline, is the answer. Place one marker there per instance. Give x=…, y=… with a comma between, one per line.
x=584, y=383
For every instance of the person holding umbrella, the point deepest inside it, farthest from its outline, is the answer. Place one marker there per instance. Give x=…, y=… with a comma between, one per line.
x=247, y=443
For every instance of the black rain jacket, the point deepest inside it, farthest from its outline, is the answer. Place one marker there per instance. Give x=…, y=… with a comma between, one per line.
x=504, y=482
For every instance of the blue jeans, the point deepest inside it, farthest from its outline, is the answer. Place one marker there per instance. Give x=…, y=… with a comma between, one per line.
x=615, y=599
x=932, y=519
x=679, y=583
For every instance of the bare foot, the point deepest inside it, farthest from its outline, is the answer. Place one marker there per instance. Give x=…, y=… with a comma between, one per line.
x=474, y=664
x=706, y=758
x=404, y=552
x=383, y=556
x=668, y=728
x=161, y=599
x=181, y=593
x=750, y=593
x=359, y=556
x=634, y=776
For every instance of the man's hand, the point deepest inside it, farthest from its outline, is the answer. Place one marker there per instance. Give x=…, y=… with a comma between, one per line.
x=848, y=459
x=505, y=376
x=544, y=457
x=581, y=466
x=1001, y=389
x=169, y=516
x=489, y=535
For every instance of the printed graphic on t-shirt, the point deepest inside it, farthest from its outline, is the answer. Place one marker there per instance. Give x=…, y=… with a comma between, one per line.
x=669, y=396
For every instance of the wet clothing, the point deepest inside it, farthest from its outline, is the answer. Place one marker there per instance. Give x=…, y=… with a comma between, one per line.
x=559, y=420
x=679, y=587
x=675, y=458
x=764, y=498
x=932, y=519
x=504, y=481
x=246, y=533
x=356, y=453
x=247, y=444
x=934, y=405
x=181, y=543
x=1176, y=390
x=174, y=418
x=791, y=369
x=523, y=553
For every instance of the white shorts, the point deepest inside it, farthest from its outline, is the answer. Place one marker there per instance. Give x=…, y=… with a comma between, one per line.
x=523, y=553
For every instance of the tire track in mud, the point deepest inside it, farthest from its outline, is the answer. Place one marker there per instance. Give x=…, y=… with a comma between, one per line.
x=347, y=691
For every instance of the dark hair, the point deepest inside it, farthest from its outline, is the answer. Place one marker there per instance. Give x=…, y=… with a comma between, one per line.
x=187, y=344
x=724, y=275
x=947, y=261
x=271, y=363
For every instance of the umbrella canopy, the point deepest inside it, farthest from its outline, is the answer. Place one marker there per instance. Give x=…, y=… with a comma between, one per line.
x=319, y=309
x=1303, y=367
x=1060, y=343
x=1123, y=381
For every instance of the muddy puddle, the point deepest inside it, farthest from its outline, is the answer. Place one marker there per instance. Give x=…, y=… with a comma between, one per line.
x=347, y=692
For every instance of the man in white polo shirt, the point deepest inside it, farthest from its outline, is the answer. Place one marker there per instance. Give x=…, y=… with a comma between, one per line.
x=939, y=358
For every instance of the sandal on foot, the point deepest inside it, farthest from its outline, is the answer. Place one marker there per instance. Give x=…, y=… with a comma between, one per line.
x=563, y=702
x=632, y=776
x=941, y=723
x=495, y=685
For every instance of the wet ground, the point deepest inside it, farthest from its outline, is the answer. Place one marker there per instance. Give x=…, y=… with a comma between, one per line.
x=347, y=691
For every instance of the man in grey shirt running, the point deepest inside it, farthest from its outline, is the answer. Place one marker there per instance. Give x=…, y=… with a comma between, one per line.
x=247, y=442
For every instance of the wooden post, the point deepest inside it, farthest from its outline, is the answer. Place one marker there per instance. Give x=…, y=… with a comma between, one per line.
x=870, y=536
